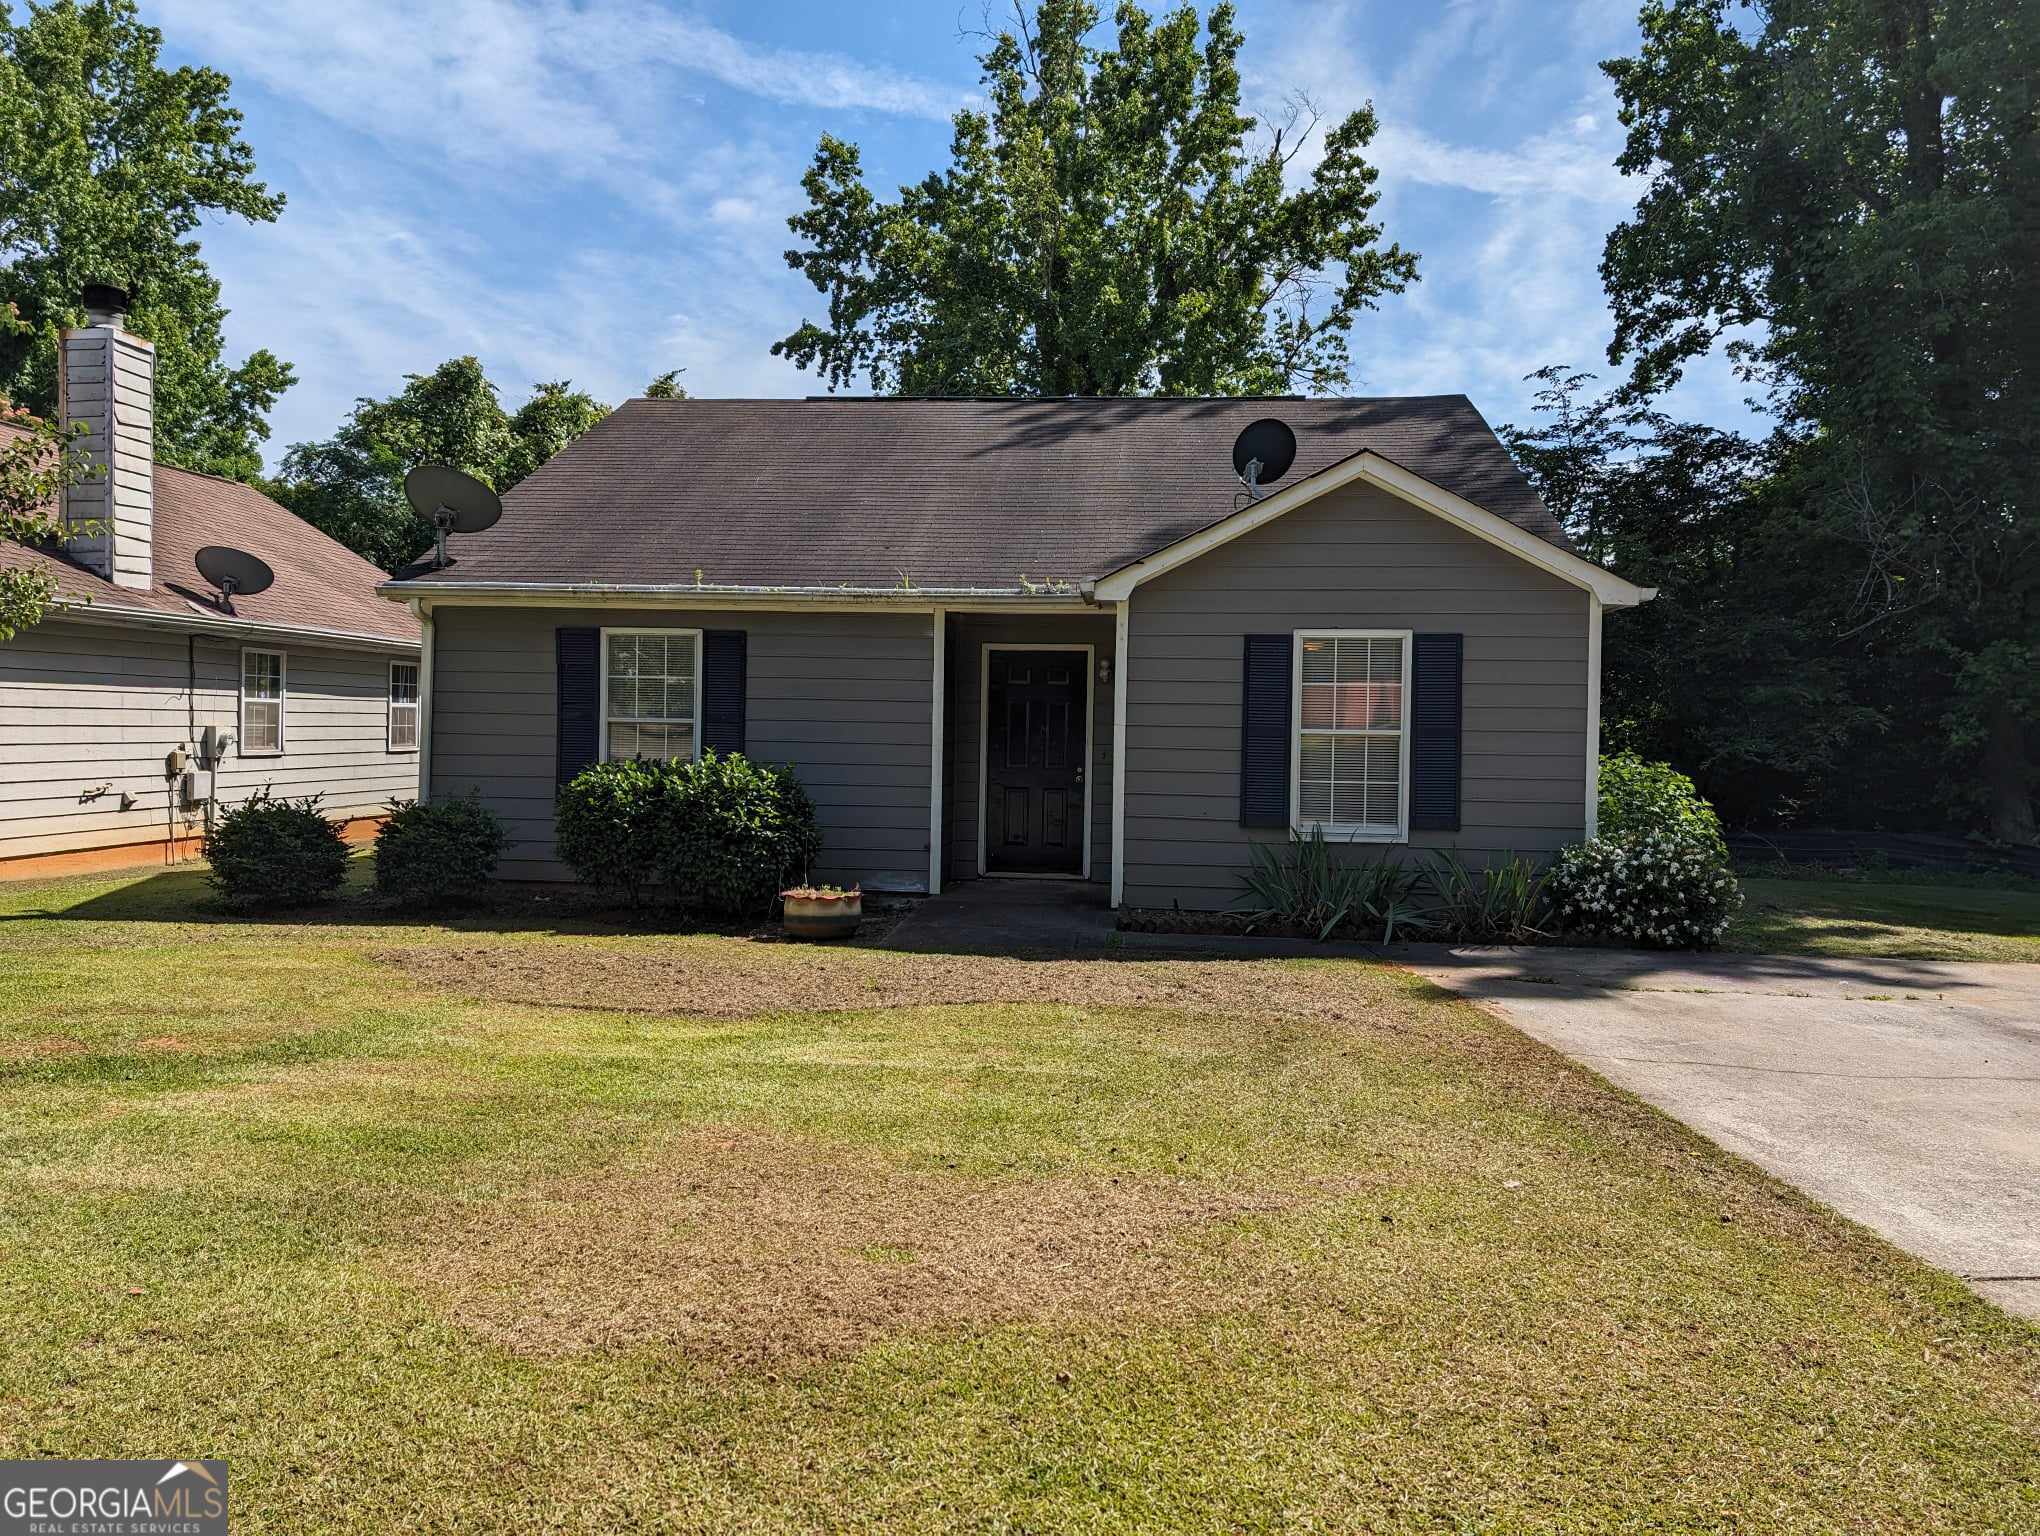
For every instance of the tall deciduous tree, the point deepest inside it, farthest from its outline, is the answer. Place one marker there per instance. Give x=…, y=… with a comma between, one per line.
x=38, y=461
x=1737, y=671
x=352, y=486
x=1106, y=226
x=108, y=162
x=1850, y=191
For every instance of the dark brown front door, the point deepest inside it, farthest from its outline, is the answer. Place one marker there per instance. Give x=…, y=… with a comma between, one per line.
x=1036, y=746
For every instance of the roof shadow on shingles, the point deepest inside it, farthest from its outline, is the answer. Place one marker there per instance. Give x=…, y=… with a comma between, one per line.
x=958, y=493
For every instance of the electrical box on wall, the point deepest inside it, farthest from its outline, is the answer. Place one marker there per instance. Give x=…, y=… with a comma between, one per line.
x=187, y=790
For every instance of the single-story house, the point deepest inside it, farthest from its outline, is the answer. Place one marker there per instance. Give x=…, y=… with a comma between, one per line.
x=148, y=698
x=1035, y=637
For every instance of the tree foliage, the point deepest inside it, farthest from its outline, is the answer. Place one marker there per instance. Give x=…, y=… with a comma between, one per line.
x=1106, y=226
x=108, y=163
x=37, y=462
x=1746, y=670
x=352, y=485
x=1848, y=192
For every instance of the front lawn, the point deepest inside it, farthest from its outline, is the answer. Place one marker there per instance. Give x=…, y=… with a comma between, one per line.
x=454, y=1227
x=1908, y=921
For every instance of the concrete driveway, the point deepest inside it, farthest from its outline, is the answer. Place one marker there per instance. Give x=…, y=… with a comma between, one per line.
x=1904, y=1093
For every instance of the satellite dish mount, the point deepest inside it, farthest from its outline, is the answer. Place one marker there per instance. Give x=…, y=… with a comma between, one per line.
x=1262, y=452
x=451, y=502
x=231, y=571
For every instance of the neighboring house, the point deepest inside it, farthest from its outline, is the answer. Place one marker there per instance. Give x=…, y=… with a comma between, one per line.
x=310, y=687
x=1007, y=637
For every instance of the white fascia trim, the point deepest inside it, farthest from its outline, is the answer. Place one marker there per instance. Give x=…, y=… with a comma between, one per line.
x=1371, y=468
x=150, y=618
x=1065, y=597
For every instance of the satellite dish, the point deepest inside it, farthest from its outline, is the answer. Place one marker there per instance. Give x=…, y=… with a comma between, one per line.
x=231, y=571
x=451, y=502
x=1263, y=451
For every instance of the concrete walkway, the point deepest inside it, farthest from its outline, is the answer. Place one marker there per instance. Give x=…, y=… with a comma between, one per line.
x=1008, y=917
x=1904, y=1093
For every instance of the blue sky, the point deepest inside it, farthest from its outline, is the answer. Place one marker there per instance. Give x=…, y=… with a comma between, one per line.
x=597, y=189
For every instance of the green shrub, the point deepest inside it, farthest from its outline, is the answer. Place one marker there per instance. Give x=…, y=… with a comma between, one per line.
x=1638, y=796
x=742, y=832
x=609, y=825
x=1503, y=903
x=1300, y=883
x=432, y=855
x=270, y=852
x=719, y=836
x=1659, y=889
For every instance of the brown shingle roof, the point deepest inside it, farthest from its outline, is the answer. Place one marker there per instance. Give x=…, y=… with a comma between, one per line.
x=320, y=584
x=948, y=494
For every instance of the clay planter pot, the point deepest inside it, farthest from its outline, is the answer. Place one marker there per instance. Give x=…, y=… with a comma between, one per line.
x=822, y=917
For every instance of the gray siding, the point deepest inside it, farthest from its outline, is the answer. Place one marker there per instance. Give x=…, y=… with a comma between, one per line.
x=1358, y=559
x=84, y=705
x=963, y=714
x=844, y=697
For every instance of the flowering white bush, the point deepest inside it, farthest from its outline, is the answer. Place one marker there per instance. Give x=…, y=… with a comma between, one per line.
x=1661, y=890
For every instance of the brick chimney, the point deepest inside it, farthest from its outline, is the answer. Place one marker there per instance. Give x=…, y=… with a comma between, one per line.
x=106, y=382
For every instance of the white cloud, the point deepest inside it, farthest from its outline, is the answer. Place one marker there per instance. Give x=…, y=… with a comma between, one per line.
x=577, y=88
x=359, y=298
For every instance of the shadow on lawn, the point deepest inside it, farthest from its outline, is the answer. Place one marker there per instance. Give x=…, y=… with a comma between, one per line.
x=184, y=895
x=1028, y=921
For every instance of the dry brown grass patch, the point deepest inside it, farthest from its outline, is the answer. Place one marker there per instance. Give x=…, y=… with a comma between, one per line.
x=735, y=1246
x=735, y=979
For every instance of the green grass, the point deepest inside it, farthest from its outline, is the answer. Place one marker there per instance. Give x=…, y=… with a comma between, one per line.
x=1903, y=920
x=421, y=1236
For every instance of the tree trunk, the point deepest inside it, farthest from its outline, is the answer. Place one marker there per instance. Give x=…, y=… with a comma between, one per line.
x=2007, y=779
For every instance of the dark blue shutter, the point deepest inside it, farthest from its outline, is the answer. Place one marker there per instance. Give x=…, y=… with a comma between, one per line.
x=1435, y=666
x=1264, y=731
x=723, y=654
x=578, y=667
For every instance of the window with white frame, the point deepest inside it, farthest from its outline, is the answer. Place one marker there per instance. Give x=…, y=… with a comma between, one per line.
x=1351, y=769
x=403, y=706
x=651, y=692
x=262, y=686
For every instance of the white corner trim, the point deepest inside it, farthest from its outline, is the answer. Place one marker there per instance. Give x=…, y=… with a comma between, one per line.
x=936, y=755
x=1120, y=613
x=423, y=610
x=1593, y=821
x=1369, y=467
x=1090, y=654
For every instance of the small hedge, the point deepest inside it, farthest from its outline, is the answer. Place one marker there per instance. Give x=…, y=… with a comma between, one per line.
x=1638, y=797
x=718, y=837
x=438, y=854
x=271, y=852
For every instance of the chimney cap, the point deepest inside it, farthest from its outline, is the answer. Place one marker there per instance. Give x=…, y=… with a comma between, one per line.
x=104, y=299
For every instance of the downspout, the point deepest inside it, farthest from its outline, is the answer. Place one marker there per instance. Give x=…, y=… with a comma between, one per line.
x=422, y=609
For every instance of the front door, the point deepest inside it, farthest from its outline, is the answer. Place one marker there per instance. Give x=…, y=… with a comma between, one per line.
x=1037, y=743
